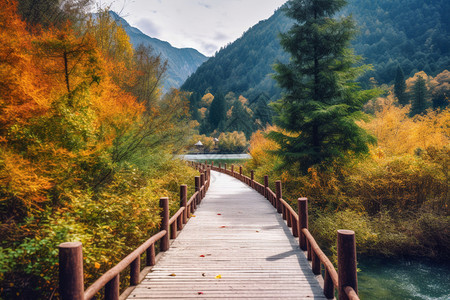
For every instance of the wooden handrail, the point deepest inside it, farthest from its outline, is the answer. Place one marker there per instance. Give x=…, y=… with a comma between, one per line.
x=351, y=294
x=331, y=280
x=176, y=215
x=323, y=258
x=117, y=269
x=71, y=255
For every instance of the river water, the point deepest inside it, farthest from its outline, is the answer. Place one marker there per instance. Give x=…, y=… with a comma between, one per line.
x=402, y=279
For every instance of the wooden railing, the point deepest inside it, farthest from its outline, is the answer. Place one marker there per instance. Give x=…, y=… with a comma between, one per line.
x=71, y=283
x=345, y=280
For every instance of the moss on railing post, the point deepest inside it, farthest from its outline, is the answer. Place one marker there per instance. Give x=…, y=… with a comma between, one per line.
x=164, y=205
x=346, y=250
x=71, y=278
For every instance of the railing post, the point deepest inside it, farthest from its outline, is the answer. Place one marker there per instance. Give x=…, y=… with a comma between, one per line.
x=183, y=201
x=266, y=185
x=112, y=288
x=197, y=189
x=252, y=178
x=173, y=229
x=346, y=250
x=164, y=205
x=328, y=285
x=202, y=185
x=315, y=263
x=279, y=194
x=135, y=269
x=225, y=167
x=71, y=285
x=240, y=172
x=232, y=170
x=151, y=255
x=303, y=221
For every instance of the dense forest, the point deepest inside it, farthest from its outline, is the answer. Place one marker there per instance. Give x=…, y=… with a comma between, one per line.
x=412, y=34
x=86, y=143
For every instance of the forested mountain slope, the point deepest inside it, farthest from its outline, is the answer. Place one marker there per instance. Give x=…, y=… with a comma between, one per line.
x=181, y=62
x=410, y=33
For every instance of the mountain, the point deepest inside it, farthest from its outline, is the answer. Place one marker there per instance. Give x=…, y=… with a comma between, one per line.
x=410, y=33
x=181, y=62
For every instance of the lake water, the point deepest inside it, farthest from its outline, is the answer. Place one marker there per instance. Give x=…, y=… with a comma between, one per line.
x=403, y=279
x=196, y=157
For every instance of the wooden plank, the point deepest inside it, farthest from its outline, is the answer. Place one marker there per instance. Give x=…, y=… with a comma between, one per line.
x=237, y=234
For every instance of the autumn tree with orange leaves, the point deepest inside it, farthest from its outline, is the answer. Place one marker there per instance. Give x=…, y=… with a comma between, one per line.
x=86, y=146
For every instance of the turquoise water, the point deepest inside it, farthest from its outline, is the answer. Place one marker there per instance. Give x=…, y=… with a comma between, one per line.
x=403, y=279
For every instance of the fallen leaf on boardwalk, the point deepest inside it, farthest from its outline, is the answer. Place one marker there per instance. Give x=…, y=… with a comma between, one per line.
x=218, y=276
x=202, y=255
x=222, y=226
x=203, y=274
x=257, y=230
x=219, y=214
x=200, y=293
x=173, y=274
x=97, y=265
x=193, y=216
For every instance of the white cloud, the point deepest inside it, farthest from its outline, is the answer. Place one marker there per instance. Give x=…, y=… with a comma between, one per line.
x=205, y=25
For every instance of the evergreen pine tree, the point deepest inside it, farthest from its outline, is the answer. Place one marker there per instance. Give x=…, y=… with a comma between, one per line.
x=419, y=103
x=400, y=87
x=194, y=101
x=217, y=111
x=321, y=98
x=240, y=120
x=263, y=113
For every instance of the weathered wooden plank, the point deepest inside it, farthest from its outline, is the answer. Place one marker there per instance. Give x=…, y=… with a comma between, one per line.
x=238, y=235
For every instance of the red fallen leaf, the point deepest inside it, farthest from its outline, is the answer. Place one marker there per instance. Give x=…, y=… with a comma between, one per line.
x=200, y=293
x=219, y=214
x=202, y=255
x=222, y=226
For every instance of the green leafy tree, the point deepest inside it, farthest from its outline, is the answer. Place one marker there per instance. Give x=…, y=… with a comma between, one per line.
x=419, y=103
x=400, y=87
x=321, y=99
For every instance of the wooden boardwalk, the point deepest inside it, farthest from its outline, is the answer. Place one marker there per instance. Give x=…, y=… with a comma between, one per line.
x=236, y=247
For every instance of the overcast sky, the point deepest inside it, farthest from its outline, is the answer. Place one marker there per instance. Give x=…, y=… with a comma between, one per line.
x=205, y=25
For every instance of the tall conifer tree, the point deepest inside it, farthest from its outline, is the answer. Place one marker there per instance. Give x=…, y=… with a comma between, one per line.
x=419, y=103
x=400, y=87
x=217, y=111
x=321, y=99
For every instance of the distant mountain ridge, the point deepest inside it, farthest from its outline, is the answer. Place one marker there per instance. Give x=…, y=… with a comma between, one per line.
x=410, y=33
x=181, y=62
